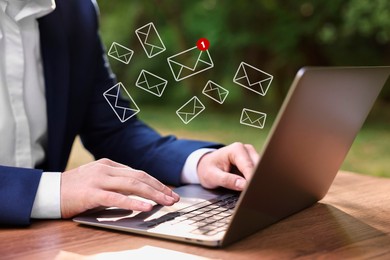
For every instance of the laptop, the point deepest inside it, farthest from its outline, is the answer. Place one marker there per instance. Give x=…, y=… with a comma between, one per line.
x=315, y=127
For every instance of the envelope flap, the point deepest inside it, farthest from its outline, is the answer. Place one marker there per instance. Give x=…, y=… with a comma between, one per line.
x=191, y=107
x=189, y=63
x=257, y=119
x=152, y=79
x=144, y=30
x=151, y=37
x=120, y=50
x=210, y=86
x=121, y=92
x=222, y=91
x=253, y=116
x=255, y=75
x=198, y=104
x=213, y=87
x=216, y=95
x=213, y=92
x=123, y=110
x=188, y=59
x=210, y=89
x=113, y=101
x=112, y=91
x=188, y=108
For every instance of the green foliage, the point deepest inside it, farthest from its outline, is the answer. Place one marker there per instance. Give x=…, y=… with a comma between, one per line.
x=277, y=36
x=368, y=19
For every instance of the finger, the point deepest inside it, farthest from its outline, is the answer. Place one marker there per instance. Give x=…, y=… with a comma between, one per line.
x=128, y=186
x=229, y=180
x=252, y=153
x=113, y=199
x=142, y=177
x=240, y=157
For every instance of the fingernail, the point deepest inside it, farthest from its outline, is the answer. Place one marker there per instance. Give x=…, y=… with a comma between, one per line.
x=240, y=184
x=169, y=199
x=146, y=206
x=175, y=196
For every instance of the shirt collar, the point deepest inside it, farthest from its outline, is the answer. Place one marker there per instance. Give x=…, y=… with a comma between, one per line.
x=32, y=8
x=3, y=5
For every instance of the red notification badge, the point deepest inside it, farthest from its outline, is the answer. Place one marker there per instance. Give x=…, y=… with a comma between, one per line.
x=203, y=44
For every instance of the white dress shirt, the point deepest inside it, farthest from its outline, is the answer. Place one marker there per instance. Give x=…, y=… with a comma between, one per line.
x=23, y=117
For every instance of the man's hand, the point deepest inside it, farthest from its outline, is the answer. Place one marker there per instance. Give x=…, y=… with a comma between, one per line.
x=215, y=168
x=107, y=183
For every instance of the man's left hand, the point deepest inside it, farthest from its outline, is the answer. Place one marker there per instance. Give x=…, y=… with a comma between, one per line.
x=215, y=169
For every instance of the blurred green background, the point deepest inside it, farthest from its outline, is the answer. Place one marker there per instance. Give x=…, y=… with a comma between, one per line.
x=278, y=37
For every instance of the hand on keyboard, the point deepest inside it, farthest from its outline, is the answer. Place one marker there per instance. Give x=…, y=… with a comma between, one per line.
x=215, y=169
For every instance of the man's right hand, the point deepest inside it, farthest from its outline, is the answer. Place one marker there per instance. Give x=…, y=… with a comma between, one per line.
x=107, y=183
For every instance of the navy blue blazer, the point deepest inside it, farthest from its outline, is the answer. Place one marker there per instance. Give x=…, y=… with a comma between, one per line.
x=76, y=75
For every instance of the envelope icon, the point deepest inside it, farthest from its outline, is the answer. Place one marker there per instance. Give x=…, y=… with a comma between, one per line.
x=253, y=78
x=123, y=112
x=191, y=109
x=151, y=83
x=150, y=40
x=189, y=63
x=253, y=118
x=215, y=92
x=120, y=52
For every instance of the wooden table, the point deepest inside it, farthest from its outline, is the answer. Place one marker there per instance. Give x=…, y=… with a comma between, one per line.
x=352, y=221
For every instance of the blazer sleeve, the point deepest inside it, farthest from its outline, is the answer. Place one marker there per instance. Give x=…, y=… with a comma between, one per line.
x=18, y=187
x=133, y=142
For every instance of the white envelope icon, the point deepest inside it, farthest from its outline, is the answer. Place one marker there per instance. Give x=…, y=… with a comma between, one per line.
x=253, y=78
x=189, y=63
x=151, y=83
x=112, y=95
x=191, y=109
x=253, y=118
x=150, y=40
x=120, y=52
x=215, y=92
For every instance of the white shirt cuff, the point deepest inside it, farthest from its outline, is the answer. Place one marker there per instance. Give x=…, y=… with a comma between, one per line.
x=47, y=203
x=189, y=173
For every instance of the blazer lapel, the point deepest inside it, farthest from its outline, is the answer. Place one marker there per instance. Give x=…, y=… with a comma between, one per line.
x=55, y=57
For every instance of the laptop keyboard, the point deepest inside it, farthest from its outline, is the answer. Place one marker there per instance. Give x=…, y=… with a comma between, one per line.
x=208, y=217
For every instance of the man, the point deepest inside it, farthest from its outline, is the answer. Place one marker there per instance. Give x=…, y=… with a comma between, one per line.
x=53, y=75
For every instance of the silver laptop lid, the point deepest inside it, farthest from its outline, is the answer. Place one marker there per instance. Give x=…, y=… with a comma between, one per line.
x=320, y=117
